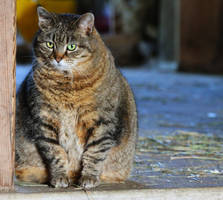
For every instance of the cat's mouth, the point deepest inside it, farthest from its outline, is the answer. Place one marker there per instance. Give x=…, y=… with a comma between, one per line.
x=58, y=65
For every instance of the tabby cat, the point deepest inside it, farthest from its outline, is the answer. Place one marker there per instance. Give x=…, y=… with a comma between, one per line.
x=76, y=120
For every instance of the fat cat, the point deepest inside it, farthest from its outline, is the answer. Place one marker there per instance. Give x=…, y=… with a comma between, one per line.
x=76, y=120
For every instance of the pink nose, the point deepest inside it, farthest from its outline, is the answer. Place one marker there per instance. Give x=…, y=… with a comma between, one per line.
x=58, y=58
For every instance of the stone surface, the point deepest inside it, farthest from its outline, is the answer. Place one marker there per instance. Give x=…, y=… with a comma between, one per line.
x=133, y=194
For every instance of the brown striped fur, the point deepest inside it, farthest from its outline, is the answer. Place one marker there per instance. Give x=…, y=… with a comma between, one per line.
x=76, y=120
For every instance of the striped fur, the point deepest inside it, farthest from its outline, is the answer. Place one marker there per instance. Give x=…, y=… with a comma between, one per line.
x=76, y=120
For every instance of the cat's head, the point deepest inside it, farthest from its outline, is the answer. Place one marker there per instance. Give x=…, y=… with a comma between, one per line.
x=64, y=41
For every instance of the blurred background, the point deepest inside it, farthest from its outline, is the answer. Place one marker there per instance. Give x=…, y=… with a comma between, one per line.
x=187, y=34
x=171, y=52
x=129, y=28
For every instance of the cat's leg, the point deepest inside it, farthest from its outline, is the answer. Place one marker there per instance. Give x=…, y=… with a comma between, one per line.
x=53, y=155
x=96, y=151
x=56, y=161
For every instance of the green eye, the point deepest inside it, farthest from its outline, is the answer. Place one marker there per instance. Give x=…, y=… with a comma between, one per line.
x=71, y=47
x=49, y=45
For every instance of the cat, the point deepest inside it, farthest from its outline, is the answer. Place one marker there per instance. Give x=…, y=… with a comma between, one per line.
x=76, y=119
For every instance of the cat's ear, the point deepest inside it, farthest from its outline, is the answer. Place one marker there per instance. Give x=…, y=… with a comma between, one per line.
x=86, y=23
x=46, y=19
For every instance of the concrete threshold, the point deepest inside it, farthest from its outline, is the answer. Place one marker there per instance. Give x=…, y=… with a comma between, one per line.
x=114, y=192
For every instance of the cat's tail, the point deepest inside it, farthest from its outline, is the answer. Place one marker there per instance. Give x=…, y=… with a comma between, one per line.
x=32, y=174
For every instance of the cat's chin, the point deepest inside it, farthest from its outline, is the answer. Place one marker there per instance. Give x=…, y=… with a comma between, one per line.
x=61, y=66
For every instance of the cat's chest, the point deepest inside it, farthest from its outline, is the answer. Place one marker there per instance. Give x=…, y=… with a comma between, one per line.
x=68, y=139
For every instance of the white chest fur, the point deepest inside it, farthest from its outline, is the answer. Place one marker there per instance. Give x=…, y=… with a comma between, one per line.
x=69, y=140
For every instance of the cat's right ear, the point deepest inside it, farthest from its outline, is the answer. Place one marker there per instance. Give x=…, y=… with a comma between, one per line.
x=85, y=23
x=46, y=19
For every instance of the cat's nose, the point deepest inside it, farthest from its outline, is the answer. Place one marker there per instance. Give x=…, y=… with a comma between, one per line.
x=58, y=58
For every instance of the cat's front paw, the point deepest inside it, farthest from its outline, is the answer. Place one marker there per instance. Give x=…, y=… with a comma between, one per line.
x=89, y=181
x=59, y=181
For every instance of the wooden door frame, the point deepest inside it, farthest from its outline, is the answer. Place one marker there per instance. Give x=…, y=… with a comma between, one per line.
x=7, y=92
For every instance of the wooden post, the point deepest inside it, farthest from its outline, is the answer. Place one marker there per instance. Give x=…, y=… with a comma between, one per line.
x=7, y=92
x=169, y=32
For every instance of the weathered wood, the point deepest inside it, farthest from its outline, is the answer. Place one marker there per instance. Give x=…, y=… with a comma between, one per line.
x=7, y=92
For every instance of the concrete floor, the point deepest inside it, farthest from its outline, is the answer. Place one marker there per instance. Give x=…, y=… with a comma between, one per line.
x=171, y=101
x=115, y=193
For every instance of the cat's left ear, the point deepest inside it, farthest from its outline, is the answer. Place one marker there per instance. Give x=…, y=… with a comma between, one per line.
x=86, y=23
x=46, y=19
